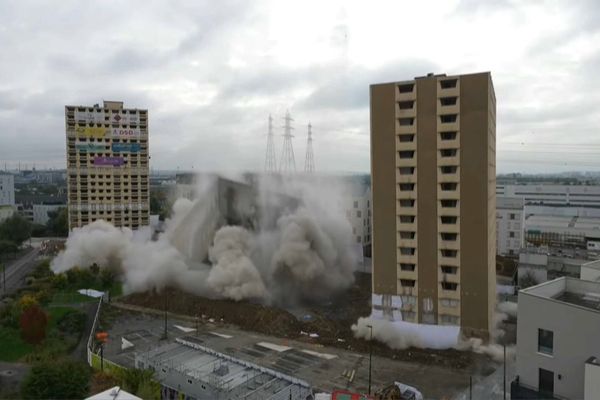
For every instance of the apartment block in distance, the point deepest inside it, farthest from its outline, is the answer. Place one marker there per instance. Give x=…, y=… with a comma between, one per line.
x=433, y=142
x=107, y=165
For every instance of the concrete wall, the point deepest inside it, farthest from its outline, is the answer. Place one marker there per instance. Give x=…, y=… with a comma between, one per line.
x=592, y=380
x=572, y=347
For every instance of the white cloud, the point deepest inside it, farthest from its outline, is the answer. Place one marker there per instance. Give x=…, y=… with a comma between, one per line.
x=211, y=72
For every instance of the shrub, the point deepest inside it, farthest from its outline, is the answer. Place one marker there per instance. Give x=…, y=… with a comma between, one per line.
x=33, y=324
x=63, y=379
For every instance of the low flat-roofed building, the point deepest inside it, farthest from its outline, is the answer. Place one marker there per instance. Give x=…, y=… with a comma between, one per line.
x=557, y=335
x=186, y=368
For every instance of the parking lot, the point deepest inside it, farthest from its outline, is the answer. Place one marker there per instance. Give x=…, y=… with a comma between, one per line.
x=326, y=368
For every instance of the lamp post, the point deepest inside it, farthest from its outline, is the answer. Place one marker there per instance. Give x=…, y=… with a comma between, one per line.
x=370, y=354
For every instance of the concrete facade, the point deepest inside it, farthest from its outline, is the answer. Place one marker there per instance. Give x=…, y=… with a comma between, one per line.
x=433, y=174
x=358, y=212
x=7, y=190
x=40, y=212
x=558, y=307
x=107, y=165
x=509, y=225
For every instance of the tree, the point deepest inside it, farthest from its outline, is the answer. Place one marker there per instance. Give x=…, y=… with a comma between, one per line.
x=38, y=230
x=58, y=224
x=16, y=229
x=62, y=379
x=134, y=379
x=8, y=247
x=33, y=324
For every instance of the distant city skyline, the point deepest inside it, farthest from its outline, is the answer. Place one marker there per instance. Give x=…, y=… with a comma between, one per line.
x=211, y=73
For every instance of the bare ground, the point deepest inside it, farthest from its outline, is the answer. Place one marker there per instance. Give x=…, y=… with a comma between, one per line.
x=331, y=321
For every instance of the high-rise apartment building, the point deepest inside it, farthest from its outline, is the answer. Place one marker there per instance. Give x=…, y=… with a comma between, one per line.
x=7, y=189
x=107, y=165
x=433, y=157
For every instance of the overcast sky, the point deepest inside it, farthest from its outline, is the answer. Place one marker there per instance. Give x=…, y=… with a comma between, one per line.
x=210, y=72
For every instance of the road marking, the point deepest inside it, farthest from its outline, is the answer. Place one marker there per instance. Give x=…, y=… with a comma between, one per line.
x=221, y=335
x=184, y=328
x=272, y=346
x=320, y=355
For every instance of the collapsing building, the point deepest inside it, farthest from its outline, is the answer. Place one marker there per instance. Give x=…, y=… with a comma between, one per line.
x=187, y=369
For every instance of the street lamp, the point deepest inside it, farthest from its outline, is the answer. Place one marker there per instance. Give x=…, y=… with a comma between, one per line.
x=370, y=354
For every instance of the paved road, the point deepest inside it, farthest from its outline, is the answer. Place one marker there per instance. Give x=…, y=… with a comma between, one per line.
x=17, y=270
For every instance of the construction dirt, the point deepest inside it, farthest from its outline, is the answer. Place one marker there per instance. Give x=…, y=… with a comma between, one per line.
x=331, y=322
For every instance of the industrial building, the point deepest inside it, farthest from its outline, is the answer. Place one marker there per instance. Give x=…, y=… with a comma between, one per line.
x=563, y=231
x=107, y=165
x=509, y=225
x=433, y=167
x=570, y=195
x=187, y=369
x=558, y=349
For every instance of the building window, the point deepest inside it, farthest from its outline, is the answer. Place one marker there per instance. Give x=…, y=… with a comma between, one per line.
x=448, y=135
x=358, y=214
x=407, y=203
x=449, y=236
x=407, y=219
x=448, y=101
x=448, y=186
x=407, y=267
x=358, y=239
x=448, y=83
x=407, y=282
x=448, y=118
x=449, y=303
x=449, y=285
x=448, y=269
x=406, y=138
x=545, y=341
x=407, y=251
x=406, y=121
x=449, y=169
x=449, y=203
x=407, y=235
x=406, y=154
x=449, y=319
x=406, y=105
x=512, y=216
x=511, y=234
x=406, y=170
x=356, y=204
x=406, y=187
x=449, y=253
x=407, y=88
x=448, y=152
x=449, y=219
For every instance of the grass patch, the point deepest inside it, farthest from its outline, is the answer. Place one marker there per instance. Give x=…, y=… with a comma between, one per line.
x=71, y=297
x=12, y=347
x=55, y=314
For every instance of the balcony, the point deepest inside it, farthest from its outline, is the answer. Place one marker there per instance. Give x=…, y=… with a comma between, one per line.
x=406, y=91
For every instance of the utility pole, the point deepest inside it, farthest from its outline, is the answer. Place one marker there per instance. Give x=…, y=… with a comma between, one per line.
x=270, y=163
x=287, y=162
x=504, y=380
x=309, y=161
x=166, y=302
x=370, y=354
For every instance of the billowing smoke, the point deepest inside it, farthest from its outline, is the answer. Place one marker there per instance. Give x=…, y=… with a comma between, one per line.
x=401, y=335
x=386, y=332
x=233, y=274
x=280, y=242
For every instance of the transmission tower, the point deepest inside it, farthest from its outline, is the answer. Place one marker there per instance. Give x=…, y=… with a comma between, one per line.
x=309, y=161
x=270, y=163
x=287, y=162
